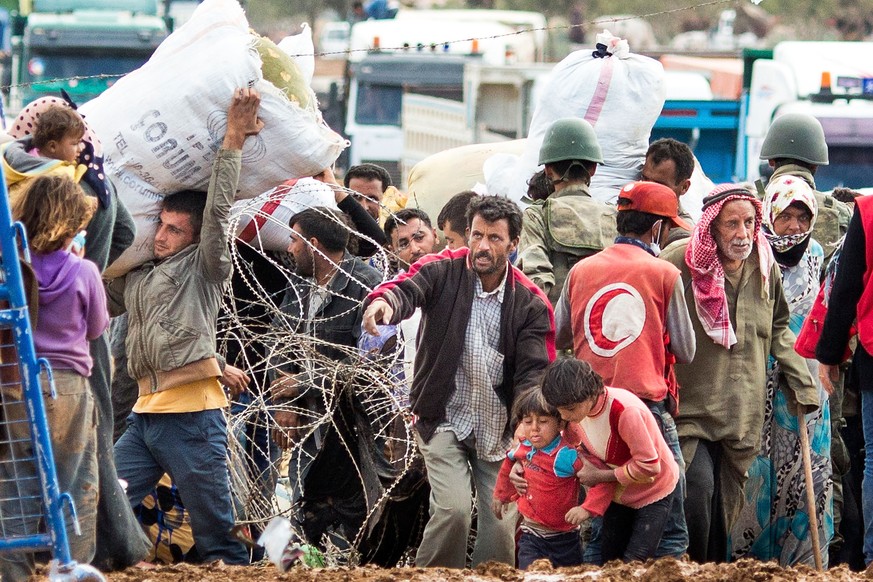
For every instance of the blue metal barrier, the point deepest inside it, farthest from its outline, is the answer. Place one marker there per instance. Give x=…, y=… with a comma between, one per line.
x=710, y=128
x=28, y=522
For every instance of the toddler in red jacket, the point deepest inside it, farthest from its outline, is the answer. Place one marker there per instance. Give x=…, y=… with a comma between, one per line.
x=550, y=466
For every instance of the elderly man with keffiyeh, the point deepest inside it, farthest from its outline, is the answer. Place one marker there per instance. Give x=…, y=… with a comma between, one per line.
x=740, y=318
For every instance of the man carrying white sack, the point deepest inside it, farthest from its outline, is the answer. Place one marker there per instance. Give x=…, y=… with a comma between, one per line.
x=177, y=425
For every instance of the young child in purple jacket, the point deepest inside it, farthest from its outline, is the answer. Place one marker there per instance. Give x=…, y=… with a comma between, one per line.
x=72, y=311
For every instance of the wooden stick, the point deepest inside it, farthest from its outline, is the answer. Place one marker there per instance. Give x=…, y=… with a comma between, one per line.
x=810, y=493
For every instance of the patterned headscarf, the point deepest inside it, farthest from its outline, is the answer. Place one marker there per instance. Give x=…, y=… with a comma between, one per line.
x=707, y=272
x=91, y=155
x=778, y=196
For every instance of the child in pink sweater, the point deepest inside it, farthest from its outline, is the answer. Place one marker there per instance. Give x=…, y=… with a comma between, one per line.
x=629, y=470
x=551, y=463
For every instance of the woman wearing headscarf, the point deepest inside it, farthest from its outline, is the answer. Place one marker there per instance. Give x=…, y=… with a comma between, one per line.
x=774, y=522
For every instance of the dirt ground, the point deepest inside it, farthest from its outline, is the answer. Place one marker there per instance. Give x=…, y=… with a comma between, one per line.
x=655, y=571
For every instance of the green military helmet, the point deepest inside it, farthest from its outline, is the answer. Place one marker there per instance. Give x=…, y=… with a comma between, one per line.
x=797, y=136
x=570, y=138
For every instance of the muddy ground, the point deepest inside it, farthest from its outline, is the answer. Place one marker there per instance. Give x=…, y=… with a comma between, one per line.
x=654, y=571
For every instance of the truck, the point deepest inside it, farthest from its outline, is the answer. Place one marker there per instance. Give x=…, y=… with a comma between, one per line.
x=423, y=52
x=79, y=46
x=495, y=104
x=832, y=81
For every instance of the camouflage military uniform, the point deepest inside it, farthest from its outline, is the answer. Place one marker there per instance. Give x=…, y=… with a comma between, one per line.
x=559, y=231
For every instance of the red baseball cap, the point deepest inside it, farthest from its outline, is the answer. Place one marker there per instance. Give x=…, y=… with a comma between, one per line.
x=653, y=198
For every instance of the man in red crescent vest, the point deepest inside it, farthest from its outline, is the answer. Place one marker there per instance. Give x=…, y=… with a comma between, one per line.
x=624, y=312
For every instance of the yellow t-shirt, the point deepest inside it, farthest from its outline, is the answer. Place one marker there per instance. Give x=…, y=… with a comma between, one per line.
x=198, y=396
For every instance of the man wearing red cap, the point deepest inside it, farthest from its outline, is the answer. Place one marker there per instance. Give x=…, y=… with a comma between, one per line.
x=621, y=308
x=740, y=320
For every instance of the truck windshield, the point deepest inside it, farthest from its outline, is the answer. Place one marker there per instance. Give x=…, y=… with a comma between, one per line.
x=378, y=104
x=61, y=66
x=382, y=104
x=849, y=167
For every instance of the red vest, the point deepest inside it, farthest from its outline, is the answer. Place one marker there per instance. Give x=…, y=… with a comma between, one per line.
x=618, y=307
x=864, y=204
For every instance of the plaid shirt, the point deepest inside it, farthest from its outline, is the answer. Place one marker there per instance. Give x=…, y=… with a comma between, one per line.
x=475, y=408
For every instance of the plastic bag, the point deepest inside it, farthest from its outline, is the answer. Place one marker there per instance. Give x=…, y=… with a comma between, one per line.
x=262, y=222
x=300, y=48
x=437, y=178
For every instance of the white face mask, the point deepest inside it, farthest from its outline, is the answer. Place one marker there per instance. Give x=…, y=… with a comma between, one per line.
x=656, y=238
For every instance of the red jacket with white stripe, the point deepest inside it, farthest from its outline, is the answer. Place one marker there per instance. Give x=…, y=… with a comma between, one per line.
x=623, y=436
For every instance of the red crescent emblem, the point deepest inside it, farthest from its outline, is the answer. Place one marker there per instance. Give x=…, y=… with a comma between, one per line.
x=614, y=319
x=595, y=322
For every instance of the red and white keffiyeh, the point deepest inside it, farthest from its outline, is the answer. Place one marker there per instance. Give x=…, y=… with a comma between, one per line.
x=707, y=272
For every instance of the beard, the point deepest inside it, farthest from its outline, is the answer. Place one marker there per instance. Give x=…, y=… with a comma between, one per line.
x=304, y=264
x=491, y=268
x=737, y=249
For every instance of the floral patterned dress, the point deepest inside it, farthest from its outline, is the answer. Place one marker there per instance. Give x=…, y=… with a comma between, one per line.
x=774, y=523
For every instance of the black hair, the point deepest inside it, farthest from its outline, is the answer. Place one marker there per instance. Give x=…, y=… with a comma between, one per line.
x=368, y=172
x=494, y=208
x=402, y=217
x=454, y=212
x=803, y=207
x=846, y=195
x=323, y=224
x=568, y=381
x=190, y=202
x=539, y=187
x=574, y=170
x=635, y=221
x=670, y=149
x=532, y=402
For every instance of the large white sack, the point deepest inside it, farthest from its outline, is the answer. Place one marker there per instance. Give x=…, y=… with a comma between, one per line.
x=162, y=124
x=262, y=222
x=621, y=96
x=701, y=185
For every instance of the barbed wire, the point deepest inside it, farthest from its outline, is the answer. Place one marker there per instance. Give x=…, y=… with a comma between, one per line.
x=596, y=21
x=267, y=338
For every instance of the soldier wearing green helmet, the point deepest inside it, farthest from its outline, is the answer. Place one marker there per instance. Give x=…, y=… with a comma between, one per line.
x=569, y=225
x=795, y=145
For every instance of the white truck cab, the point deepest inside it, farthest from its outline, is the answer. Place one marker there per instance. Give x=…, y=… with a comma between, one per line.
x=424, y=52
x=833, y=81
